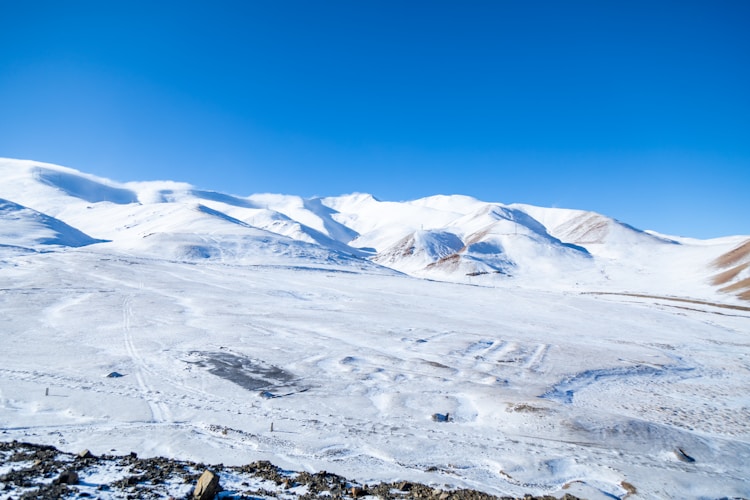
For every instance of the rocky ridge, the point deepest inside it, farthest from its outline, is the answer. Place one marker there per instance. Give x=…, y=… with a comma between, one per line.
x=32, y=471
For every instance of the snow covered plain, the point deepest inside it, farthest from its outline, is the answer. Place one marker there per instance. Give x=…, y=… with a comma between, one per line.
x=567, y=388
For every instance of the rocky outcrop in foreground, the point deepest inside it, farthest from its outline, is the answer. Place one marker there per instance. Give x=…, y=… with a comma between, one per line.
x=30, y=471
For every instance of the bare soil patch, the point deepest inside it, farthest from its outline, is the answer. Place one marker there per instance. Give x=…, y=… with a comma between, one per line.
x=729, y=275
x=675, y=299
x=740, y=285
x=733, y=256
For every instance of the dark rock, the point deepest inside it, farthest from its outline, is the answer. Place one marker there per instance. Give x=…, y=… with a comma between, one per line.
x=85, y=454
x=49, y=492
x=68, y=477
x=404, y=486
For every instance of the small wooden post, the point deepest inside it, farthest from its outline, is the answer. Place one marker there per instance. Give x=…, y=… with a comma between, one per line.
x=46, y=391
x=271, y=426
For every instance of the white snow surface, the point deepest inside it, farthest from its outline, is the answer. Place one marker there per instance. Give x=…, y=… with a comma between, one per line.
x=571, y=353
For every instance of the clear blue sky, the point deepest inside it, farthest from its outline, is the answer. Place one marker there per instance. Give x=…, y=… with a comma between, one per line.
x=636, y=109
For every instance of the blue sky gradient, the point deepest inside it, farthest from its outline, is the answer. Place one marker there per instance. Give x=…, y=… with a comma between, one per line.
x=636, y=109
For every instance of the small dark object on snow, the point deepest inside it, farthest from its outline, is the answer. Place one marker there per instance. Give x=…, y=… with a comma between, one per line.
x=68, y=477
x=439, y=417
x=85, y=454
x=681, y=455
x=268, y=395
x=115, y=375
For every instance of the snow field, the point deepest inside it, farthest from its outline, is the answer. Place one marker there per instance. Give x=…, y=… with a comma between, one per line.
x=547, y=392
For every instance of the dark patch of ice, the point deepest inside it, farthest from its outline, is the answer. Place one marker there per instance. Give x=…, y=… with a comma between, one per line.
x=250, y=374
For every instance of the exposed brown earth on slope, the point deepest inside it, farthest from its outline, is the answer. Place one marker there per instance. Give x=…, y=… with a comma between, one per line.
x=675, y=299
x=737, y=260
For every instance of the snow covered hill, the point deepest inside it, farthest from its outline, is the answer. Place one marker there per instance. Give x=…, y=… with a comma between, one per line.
x=448, y=238
x=550, y=351
x=25, y=229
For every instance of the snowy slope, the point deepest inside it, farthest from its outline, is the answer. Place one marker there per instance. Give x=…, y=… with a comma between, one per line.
x=594, y=359
x=420, y=249
x=546, y=392
x=449, y=238
x=24, y=228
x=167, y=219
x=599, y=234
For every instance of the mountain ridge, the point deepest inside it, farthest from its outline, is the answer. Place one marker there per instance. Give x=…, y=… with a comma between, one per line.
x=445, y=237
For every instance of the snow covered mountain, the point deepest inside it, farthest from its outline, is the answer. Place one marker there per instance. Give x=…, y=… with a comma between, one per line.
x=25, y=229
x=450, y=341
x=448, y=238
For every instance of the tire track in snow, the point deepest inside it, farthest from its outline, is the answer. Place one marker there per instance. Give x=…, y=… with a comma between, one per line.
x=507, y=353
x=499, y=348
x=537, y=357
x=159, y=411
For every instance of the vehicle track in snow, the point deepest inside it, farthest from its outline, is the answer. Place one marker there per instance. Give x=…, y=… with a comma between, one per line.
x=535, y=360
x=159, y=410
